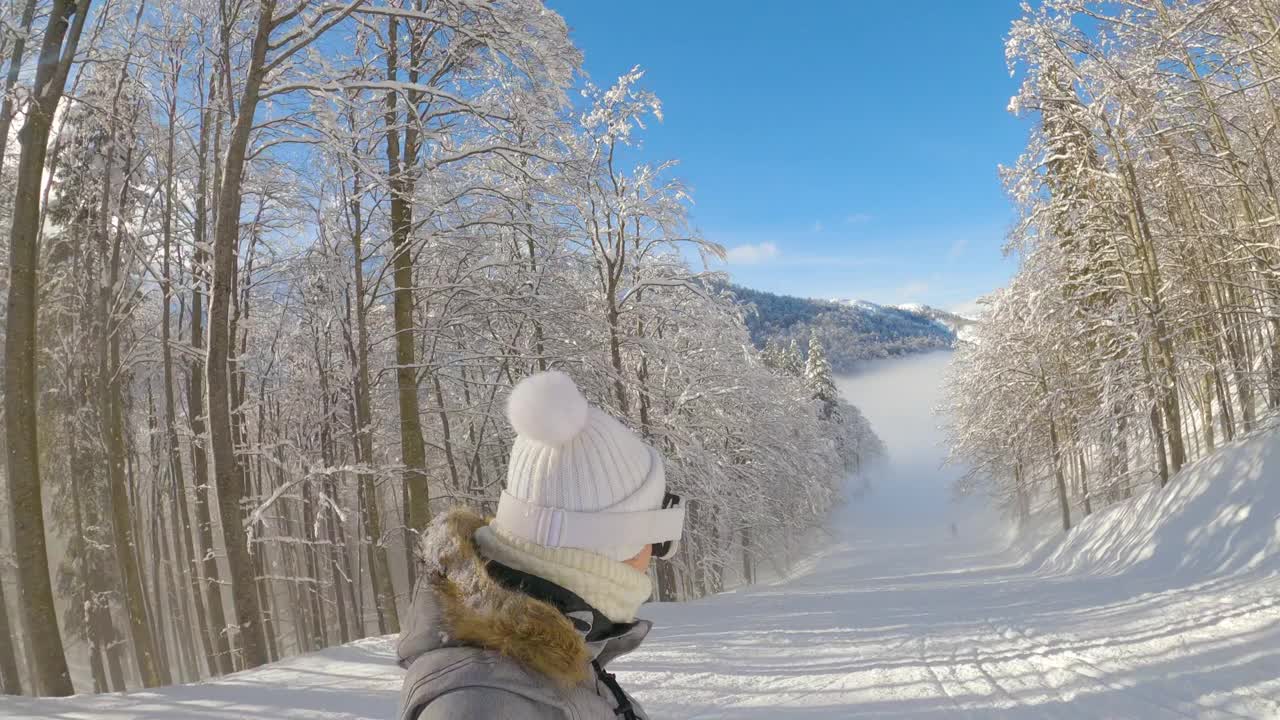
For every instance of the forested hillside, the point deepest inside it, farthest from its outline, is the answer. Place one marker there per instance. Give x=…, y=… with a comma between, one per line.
x=851, y=331
x=272, y=269
x=1142, y=329
x=961, y=327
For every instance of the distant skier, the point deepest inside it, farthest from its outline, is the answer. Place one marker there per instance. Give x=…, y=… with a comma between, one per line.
x=955, y=531
x=517, y=617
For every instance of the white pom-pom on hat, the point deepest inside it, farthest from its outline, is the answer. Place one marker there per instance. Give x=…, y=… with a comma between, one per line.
x=547, y=408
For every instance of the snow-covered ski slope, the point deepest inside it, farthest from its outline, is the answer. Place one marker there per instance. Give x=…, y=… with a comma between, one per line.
x=926, y=627
x=1168, y=607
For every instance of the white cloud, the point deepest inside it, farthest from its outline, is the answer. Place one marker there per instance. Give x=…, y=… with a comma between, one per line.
x=957, y=248
x=751, y=254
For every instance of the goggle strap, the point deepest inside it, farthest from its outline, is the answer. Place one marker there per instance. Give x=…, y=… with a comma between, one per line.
x=555, y=527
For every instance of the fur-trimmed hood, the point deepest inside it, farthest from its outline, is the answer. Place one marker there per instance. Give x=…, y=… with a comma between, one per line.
x=458, y=603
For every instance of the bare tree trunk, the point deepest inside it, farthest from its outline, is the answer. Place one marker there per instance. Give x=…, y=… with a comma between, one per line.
x=182, y=519
x=227, y=473
x=186, y=589
x=113, y=439
x=254, y=482
x=217, y=624
x=667, y=582
x=1167, y=380
x=262, y=572
x=1236, y=350
x=1225, y=421
x=102, y=630
x=156, y=614
x=98, y=671
x=66, y=20
x=615, y=351
x=413, y=451
x=1206, y=411
x=340, y=567
x=379, y=573
x=319, y=633
x=179, y=615
x=446, y=432
x=1060, y=482
x=83, y=569
x=10, y=680
x=1084, y=483
x=1023, y=499
x=152, y=668
x=1157, y=438
x=362, y=440
x=10, y=683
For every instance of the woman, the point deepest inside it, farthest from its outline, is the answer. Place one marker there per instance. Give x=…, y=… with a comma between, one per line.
x=519, y=616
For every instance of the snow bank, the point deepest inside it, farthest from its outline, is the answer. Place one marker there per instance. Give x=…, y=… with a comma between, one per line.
x=1220, y=515
x=359, y=681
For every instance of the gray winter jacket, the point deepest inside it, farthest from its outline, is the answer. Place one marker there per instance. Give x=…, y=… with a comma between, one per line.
x=476, y=648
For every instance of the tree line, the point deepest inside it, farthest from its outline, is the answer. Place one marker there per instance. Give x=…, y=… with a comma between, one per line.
x=273, y=266
x=1142, y=329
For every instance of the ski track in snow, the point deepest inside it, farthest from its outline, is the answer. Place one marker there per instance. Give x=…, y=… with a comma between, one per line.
x=894, y=618
x=887, y=635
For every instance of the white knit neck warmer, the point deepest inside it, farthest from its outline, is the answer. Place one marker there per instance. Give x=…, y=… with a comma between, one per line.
x=614, y=588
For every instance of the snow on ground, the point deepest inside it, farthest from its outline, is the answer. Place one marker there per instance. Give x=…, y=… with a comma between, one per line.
x=1166, y=608
x=359, y=680
x=929, y=628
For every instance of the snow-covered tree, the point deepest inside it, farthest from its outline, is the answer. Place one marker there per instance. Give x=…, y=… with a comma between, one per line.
x=1141, y=326
x=772, y=355
x=292, y=259
x=817, y=377
x=793, y=360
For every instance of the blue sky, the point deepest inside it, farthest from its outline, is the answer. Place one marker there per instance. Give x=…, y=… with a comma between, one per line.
x=838, y=149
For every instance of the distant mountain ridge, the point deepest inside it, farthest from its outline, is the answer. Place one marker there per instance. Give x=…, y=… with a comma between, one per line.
x=851, y=331
x=961, y=327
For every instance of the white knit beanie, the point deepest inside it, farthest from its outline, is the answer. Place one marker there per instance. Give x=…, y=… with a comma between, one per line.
x=573, y=468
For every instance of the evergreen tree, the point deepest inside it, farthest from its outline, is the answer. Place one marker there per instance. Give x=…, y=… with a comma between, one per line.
x=772, y=355
x=793, y=360
x=817, y=377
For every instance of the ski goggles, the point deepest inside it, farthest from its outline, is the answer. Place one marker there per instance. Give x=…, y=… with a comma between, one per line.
x=556, y=527
x=667, y=548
